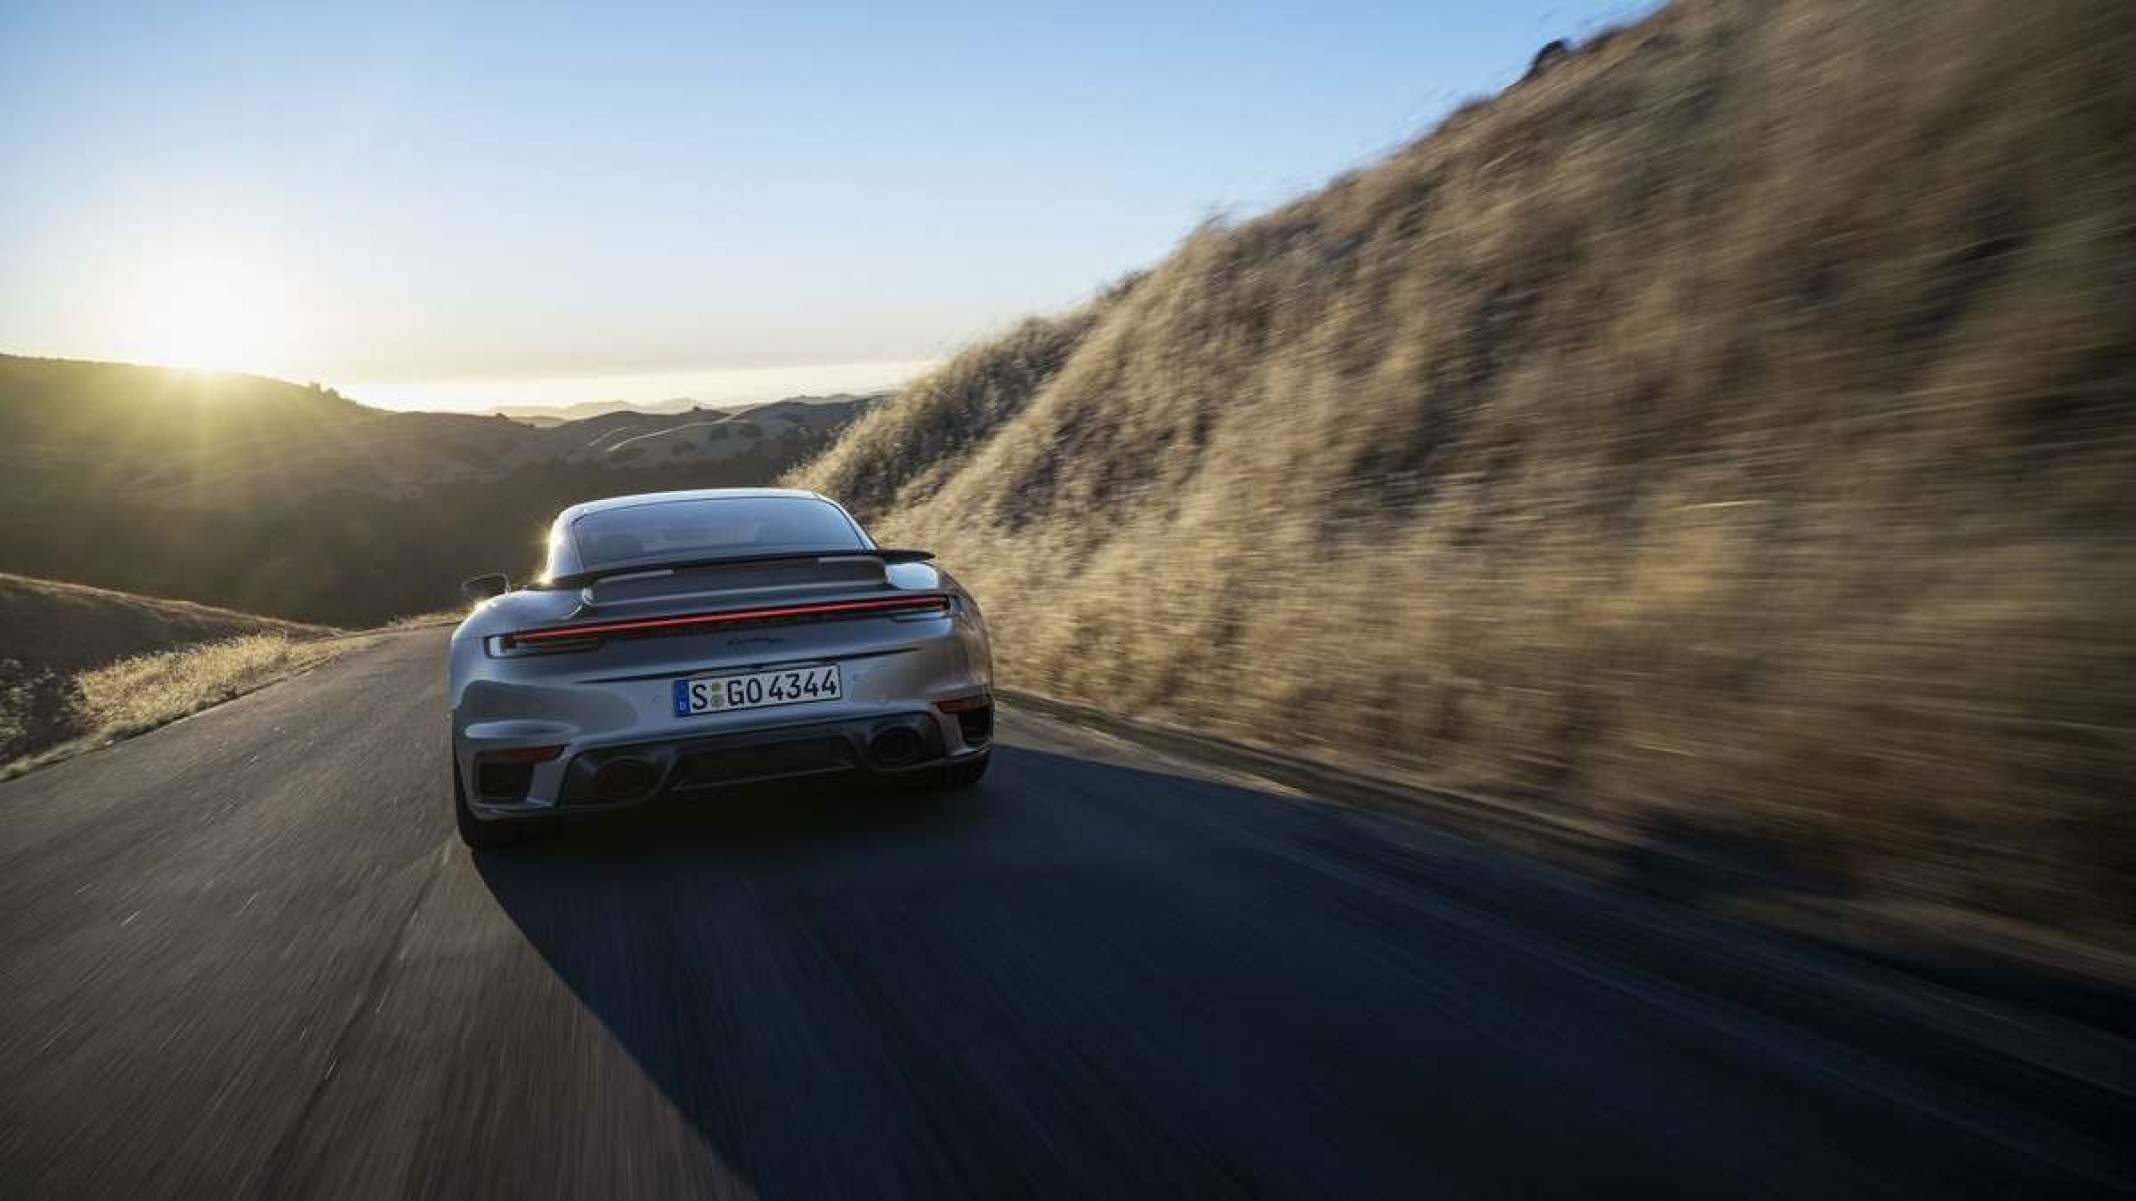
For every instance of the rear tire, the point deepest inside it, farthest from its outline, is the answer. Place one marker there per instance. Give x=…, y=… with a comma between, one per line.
x=480, y=835
x=965, y=774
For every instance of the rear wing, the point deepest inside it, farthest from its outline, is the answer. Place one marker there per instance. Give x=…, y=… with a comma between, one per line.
x=884, y=554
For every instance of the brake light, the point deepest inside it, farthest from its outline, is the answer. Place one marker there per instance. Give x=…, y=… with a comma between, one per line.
x=556, y=636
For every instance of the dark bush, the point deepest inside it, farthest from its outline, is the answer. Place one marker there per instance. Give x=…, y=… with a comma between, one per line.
x=39, y=707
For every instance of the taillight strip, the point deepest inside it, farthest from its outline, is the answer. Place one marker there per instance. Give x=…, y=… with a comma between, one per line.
x=604, y=629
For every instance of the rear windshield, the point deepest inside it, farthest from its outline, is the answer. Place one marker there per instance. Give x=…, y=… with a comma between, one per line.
x=711, y=528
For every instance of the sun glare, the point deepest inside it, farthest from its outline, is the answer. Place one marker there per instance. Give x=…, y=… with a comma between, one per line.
x=216, y=313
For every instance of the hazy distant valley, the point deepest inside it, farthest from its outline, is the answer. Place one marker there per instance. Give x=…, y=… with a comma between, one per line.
x=296, y=502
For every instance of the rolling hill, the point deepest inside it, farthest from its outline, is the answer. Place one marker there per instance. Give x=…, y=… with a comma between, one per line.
x=76, y=660
x=1724, y=436
x=70, y=627
x=295, y=501
x=544, y=415
x=820, y=408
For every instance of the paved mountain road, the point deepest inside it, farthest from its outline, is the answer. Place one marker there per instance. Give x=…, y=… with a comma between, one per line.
x=244, y=956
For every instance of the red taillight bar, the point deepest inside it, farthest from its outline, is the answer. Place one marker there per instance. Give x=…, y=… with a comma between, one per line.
x=604, y=629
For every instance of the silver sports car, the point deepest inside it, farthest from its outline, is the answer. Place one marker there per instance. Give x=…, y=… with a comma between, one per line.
x=681, y=642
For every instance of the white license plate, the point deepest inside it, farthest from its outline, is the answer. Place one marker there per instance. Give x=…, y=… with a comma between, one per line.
x=757, y=690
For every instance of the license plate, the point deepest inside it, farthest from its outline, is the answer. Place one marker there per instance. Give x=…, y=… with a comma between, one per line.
x=757, y=690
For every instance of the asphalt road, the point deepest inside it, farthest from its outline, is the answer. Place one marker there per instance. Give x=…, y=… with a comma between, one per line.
x=244, y=956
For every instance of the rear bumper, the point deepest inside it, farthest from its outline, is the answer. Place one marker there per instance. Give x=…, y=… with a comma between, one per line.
x=616, y=776
x=530, y=731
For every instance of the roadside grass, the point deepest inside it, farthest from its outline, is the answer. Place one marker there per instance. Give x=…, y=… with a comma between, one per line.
x=52, y=711
x=70, y=628
x=424, y=621
x=138, y=694
x=1722, y=438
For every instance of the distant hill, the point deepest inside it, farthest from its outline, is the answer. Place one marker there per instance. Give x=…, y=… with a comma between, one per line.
x=1726, y=434
x=558, y=414
x=71, y=627
x=725, y=433
x=549, y=415
x=294, y=501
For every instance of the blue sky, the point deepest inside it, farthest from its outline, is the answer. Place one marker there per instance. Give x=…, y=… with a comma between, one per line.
x=453, y=205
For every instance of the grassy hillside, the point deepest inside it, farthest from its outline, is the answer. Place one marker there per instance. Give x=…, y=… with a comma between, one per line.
x=274, y=498
x=77, y=661
x=69, y=627
x=1724, y=436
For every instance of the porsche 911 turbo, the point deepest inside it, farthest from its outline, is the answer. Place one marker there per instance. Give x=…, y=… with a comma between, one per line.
x=681, y=643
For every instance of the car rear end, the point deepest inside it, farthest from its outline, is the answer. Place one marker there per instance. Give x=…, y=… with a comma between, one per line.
x=686, y=680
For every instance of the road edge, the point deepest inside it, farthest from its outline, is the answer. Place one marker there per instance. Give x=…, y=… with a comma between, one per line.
x=2084, y=980
x=74, y=748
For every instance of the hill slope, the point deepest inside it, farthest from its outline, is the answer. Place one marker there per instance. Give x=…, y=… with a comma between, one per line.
x=1724, y=435
x=69, y=627
x=77, y=661
x=275, y=498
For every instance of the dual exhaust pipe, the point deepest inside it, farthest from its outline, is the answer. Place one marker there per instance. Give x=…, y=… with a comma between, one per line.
x=898, y=745
x=625, y=779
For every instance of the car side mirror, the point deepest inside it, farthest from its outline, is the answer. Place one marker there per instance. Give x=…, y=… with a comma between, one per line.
x=483, y=587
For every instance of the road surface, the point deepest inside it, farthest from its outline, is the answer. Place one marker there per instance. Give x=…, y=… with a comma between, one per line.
x=244, y=956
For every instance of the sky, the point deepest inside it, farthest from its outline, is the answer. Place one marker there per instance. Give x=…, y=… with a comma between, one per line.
x=453, y=206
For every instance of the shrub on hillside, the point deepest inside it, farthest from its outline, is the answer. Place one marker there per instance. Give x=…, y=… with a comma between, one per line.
x=39, y=708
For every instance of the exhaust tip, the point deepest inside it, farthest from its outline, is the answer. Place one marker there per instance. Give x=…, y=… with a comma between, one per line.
x=624, y=780
x=896, y=746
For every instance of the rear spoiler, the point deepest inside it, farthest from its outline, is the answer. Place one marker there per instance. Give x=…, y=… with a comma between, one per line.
x=576, y=637
x=888, y=554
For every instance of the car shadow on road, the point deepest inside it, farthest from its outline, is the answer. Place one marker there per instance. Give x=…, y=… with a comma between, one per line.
x=718, y=940
x=1079, y=979
x=863, y=991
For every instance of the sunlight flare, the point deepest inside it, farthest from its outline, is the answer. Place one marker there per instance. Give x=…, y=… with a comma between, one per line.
x=208, y=311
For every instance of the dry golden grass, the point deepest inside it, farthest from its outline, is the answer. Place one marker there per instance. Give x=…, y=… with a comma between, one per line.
x=1726, y=437
x=423, y=621
x=138, y=694
x=150, y=690
x=51, y=632
x=69, y=627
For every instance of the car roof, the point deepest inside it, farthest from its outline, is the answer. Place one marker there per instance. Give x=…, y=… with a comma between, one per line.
x=653, y=498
